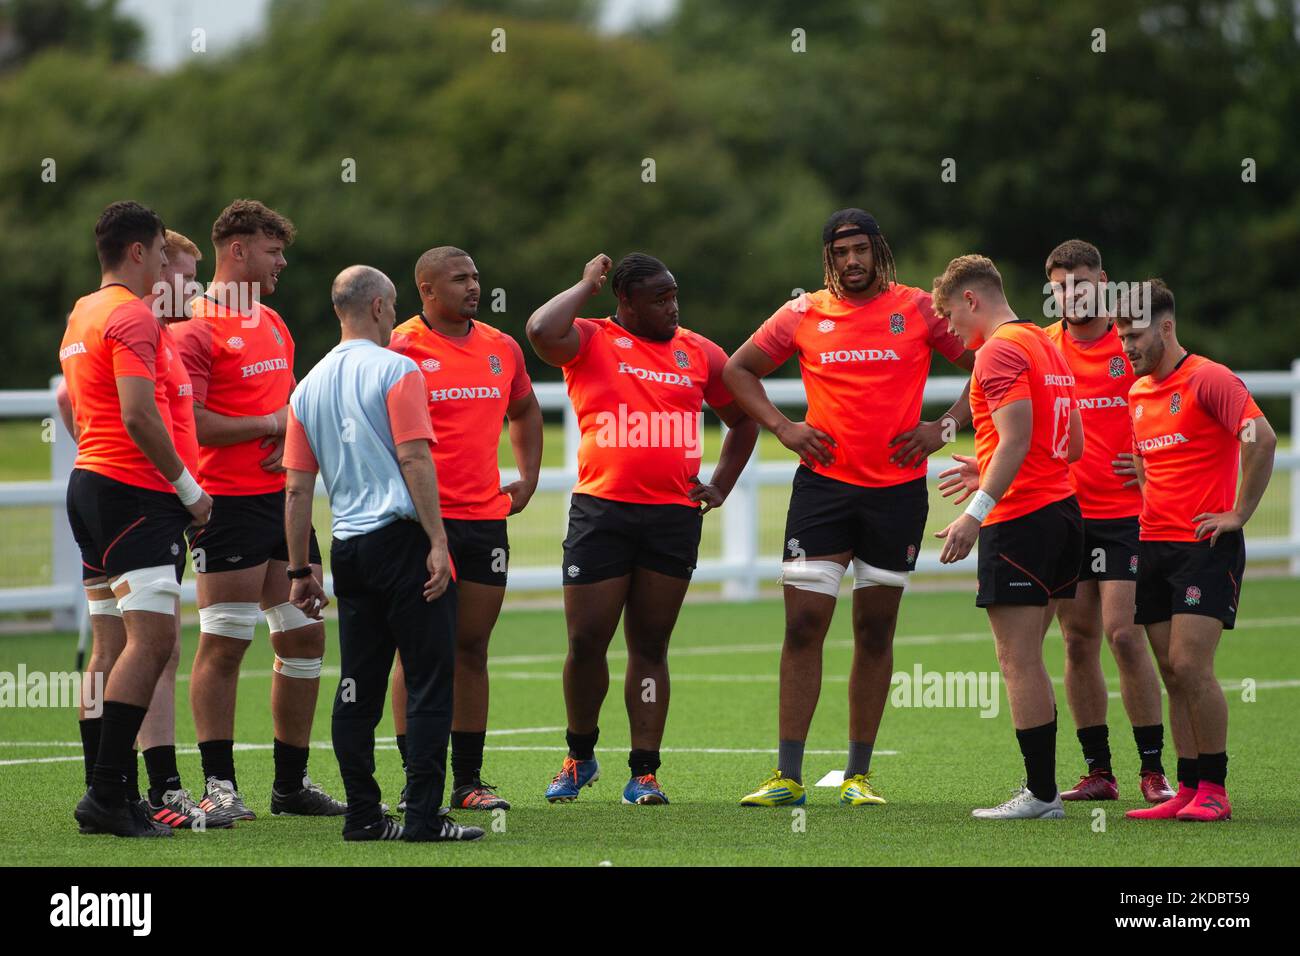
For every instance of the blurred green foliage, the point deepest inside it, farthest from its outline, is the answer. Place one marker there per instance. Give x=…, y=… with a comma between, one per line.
x=532, y=159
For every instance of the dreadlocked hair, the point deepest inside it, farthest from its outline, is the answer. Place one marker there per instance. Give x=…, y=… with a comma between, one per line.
x=632, y=269
x=881, y=254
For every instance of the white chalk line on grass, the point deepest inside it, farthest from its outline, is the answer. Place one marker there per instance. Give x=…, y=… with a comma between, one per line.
x=557, y=748
x=715, y=650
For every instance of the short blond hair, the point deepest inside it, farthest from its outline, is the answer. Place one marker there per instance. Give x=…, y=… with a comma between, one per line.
x=174, y=242
x=962, y=273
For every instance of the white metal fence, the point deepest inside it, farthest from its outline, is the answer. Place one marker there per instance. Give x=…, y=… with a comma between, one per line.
x=740, y=568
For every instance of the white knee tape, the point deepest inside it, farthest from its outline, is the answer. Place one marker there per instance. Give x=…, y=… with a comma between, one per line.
x=286, y=617
x=820, y=576
x=106, y=607
x=149, y=589
x=305, y=668
x=866, y=575
x=237, y=619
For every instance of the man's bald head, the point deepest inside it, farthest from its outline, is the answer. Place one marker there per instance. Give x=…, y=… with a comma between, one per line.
x=364, y=300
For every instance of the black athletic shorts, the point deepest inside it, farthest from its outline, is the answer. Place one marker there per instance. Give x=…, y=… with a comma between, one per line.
x=121, y=528
x=1190, y=577
x=1031, y=559
x=881, y=526
x=480, y=549
x=1110, y=549
x=607, y=539
x=243, y=532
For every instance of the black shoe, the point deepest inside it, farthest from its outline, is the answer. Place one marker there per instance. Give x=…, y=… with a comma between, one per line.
x=445, y=831
x=477, y=795
x=310, y=801
x=401, y=804
x=124, y=820
x=385, y=828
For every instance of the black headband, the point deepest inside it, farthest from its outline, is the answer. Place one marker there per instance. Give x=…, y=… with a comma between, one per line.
x=861, y=223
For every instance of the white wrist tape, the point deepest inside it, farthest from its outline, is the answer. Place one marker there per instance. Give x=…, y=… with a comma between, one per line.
x=980, y=506
x=187, y=489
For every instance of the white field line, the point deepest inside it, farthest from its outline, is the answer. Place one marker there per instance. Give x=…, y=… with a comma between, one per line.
x=714, y=650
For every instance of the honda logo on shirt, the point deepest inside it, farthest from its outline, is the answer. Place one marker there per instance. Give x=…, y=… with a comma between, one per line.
x=859, y=355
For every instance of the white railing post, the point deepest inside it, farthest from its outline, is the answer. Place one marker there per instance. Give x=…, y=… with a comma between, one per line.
x=572, y=439
x=65, y=558
x=740, y=532
x=1295, y=473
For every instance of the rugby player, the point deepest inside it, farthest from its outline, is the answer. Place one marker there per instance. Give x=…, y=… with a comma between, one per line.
x=1194, y=422
x=239, y=355
x=474, y=378
x=1023, y=510
x=1109, y=501
x=130, y=498
x=638, y=382
x=865, y=343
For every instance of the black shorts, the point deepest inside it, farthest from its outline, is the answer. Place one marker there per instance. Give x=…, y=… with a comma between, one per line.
x=607, y=539
x=1031, y=559
x=121, y=528
x=1110, y=549
x=1190, y=577
x=881, y=526
x=243, y=532
x=480, y=549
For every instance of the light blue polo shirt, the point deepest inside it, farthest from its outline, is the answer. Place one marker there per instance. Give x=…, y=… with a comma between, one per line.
x=342, y=405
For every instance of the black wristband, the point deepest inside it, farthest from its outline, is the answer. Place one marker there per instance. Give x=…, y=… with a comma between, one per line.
x=304, y=572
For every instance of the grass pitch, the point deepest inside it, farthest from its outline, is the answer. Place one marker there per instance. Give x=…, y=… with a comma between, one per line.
x=933, y=764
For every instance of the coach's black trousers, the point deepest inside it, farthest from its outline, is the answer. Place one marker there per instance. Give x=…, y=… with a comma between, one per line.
x=379, y=582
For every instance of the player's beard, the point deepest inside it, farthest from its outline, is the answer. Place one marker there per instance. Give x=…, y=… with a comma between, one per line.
x=862, y=285
x=1150, y=359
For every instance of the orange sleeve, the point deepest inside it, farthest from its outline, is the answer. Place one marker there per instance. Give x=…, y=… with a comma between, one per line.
x=408, y=411
x=586, y=332
x=1225, y=397
x=297, y=449
x=194, y=342
x=521, y=384
x=1002, y=368
x=940, y=339
x=133, y=334
x=775, y=337
x=716, y=394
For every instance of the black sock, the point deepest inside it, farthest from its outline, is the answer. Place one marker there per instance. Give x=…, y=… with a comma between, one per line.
x=1038, y=746
x=467, y=756
x=1150, y=742
x=643, y=762
x=112, y=777
x=582, y=746
x=1212, y=768
x=401, y=748
x=1095, y=741
x=90, y=744
x=218, y=757
x=160, y=765
x=290, y=767
x=1187, y=772
x=133, y=777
